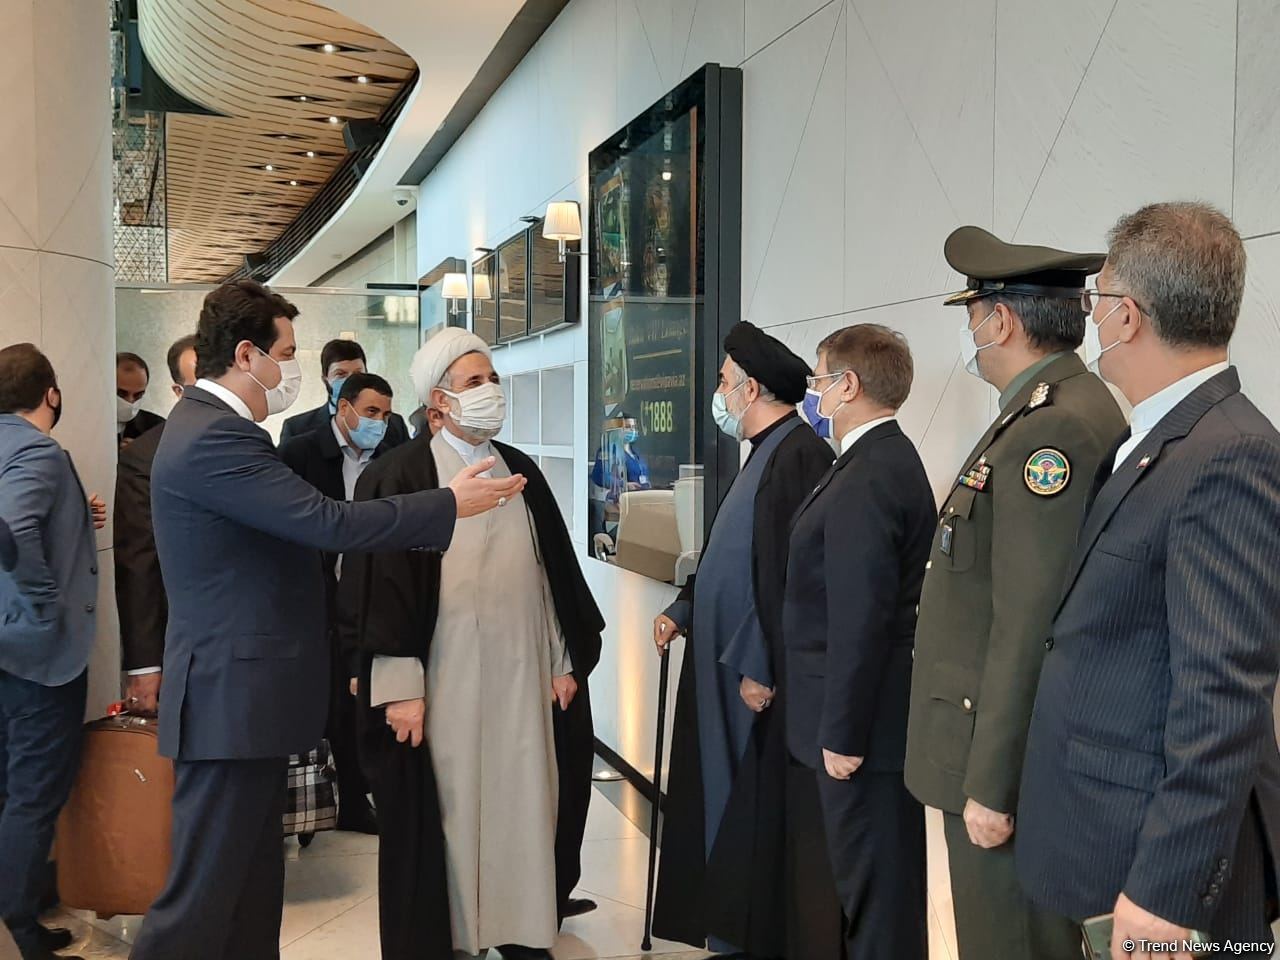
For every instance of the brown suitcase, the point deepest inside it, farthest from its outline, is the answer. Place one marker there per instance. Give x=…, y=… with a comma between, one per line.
x=113, y=840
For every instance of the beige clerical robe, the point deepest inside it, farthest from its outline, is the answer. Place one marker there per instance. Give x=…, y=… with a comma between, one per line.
x=496, y=648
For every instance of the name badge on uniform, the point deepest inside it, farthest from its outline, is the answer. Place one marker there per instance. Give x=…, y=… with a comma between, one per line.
x=948, y=534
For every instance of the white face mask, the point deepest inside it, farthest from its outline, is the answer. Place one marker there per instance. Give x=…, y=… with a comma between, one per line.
x=481, y=412
x=1093, y=348
x=969, y=348
x=281, y=397
x=126, y=411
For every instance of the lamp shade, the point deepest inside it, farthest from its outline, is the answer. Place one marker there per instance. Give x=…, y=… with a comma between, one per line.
x=563, y=221
x=454, y=286
x=483, y=288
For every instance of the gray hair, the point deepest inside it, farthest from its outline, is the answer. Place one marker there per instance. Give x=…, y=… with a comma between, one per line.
x=1184, y=264
x=1051, y=324
x=766, y=395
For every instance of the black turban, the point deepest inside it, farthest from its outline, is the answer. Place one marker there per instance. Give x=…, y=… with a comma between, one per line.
x=767, y=360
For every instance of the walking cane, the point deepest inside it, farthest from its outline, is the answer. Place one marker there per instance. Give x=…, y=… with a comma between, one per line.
x=664, y=672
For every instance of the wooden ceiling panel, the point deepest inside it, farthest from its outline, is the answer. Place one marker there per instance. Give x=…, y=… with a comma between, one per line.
x=249, y=60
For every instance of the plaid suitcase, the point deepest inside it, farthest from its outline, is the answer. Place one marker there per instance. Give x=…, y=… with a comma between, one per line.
x=313, y=794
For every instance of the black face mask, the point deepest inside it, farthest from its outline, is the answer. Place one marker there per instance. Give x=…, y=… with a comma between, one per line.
x=57, y=411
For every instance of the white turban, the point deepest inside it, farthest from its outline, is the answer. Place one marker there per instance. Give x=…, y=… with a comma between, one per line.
x=437, y=355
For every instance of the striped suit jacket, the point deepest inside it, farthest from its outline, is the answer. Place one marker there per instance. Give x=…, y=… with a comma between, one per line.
x=1152, y=765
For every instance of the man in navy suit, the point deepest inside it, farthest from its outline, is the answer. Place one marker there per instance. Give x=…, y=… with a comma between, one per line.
x=1151, y=785
x=246, y=661
x=857, y=558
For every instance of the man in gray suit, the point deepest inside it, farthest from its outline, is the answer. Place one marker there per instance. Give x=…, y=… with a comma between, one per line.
x=246, y=659
x=48, y=601
x=1150, y=786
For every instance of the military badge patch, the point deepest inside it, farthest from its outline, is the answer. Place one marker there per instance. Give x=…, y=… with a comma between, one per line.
x=1047, y=472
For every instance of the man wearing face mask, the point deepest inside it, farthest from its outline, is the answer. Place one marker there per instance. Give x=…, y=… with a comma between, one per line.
x=49, y=601
x=1151, y=788
x=133, y=376
x=473, y=689
x=140, y=596
x=339, y=359
x=999, y=554
x=721, y=880
x=332, y=461
x=246, y=667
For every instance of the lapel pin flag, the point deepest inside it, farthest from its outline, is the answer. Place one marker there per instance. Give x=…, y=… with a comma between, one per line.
x=1144, y=462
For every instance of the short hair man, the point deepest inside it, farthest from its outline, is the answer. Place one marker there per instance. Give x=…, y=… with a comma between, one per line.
x=239, y=537
x=133, y=376
x=999, y=554
x=332, y=461
x=1151, y=787
x=339, y=359
x=466, y=651
x=722, y=879
x=50, y=601
x=140, y=597
x=858, y=549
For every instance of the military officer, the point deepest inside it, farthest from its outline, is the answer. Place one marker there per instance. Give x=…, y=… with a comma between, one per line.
x=1000, y=552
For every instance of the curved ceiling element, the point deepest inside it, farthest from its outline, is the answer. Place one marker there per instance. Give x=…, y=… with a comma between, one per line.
x=277, y=71
x=450, y=41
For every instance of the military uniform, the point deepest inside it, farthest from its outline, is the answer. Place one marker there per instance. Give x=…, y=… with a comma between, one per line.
x=995, y=574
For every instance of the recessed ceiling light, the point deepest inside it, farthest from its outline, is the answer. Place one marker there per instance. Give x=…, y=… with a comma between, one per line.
x=311, y=153
x=333, y=119
x=293, y=183
x=269, y=167
x=666, y=174
x=362, y=79
x=329, y=48
x=302, y=99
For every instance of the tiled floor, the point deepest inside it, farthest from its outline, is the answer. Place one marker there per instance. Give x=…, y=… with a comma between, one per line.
x=331, y=909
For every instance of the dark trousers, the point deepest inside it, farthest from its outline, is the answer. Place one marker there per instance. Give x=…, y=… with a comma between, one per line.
x=994, y=919
x=815, y=924
x=225, y=890
x=340, y=731
x=39, y=755
x=876, y=847
x=575, y=760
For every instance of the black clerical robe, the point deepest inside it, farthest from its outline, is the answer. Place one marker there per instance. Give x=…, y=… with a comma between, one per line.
x=738, y=892
x=389, y=603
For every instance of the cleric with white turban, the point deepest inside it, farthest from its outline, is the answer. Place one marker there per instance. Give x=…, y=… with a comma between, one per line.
x=481, y=787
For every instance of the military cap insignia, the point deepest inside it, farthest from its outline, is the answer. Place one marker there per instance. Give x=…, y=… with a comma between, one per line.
x=1047, y=472
x=1039, y=396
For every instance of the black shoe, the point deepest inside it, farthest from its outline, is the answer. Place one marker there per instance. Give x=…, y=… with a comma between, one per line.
x=360, y=820
x=513, y=951
x=576, y=907
x=55, y=938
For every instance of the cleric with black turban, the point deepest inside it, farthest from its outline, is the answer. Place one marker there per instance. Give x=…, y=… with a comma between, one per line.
x=721, y=881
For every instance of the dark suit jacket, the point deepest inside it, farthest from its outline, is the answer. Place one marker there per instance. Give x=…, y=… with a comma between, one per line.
x=140, y=594
x=312, y=420
x=8, y=548
x=317, y=459
x=246, y=662
x=858, y=550
x=140, y=424
x=1152, y=728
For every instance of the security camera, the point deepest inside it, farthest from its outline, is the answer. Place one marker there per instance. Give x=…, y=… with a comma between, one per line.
x=403, y=197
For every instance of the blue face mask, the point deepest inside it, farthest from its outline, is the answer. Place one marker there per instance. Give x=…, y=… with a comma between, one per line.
x=631, y=436
x=812, y=409
x=335, y=388
x=368, y=433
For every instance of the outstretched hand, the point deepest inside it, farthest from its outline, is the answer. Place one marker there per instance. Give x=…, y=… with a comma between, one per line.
x=476, y=494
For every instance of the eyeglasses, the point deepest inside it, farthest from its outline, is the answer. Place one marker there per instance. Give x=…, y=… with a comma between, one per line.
x=813, y=381
x=1089, y=299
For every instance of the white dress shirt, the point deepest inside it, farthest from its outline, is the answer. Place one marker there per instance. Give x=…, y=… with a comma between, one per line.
x=239, y=406
x=1157, y=406
x=857, y=433
x=226, y=396
x=471, y=454
x=353, y=461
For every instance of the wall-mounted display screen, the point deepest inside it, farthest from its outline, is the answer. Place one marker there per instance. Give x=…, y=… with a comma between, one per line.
x=664, y=230
x=484, y=303
x=513, y=305
x=549, y=279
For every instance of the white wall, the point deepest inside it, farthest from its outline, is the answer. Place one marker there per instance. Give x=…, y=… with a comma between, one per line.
x=873, y=128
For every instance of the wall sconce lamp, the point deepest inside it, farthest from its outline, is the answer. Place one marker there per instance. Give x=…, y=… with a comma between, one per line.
x=563, y=223
x=454, y=289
